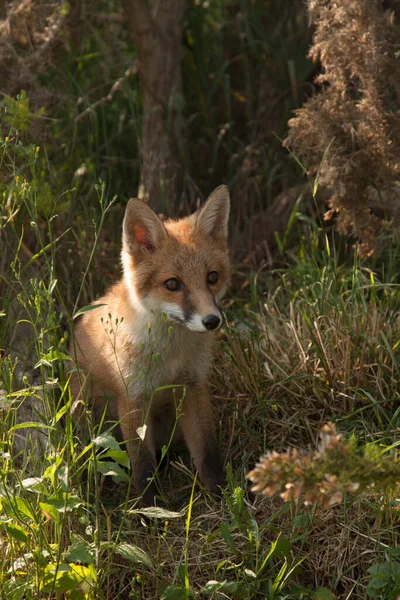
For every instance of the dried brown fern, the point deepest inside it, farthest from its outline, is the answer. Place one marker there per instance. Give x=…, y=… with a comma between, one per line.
x=350, y=130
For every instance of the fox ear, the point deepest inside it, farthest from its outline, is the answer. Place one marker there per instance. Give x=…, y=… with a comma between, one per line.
x=142, y=229
x=212, y=220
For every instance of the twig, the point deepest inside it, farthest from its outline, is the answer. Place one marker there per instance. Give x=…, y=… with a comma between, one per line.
x=117, y=84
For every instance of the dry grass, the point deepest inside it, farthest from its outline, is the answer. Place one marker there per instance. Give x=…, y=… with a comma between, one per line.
x=348, y=132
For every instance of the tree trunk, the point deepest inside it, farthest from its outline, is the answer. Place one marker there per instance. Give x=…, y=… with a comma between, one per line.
x=157, y=35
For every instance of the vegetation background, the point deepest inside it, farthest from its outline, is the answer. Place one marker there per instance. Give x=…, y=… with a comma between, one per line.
x=105, y=100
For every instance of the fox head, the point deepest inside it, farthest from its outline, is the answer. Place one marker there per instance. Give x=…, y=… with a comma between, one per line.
x=178, y=268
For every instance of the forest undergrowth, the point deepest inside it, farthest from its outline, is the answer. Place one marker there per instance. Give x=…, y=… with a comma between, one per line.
x=312, y=337
x=313, y=341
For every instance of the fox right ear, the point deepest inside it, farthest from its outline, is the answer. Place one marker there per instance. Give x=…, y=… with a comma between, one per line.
x=142, y=229
x=212, y=220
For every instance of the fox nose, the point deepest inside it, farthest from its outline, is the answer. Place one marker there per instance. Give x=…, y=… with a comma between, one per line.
x=211, y=322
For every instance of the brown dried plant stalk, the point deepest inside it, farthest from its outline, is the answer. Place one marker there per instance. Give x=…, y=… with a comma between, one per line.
x=326, y=474
x=350, y=130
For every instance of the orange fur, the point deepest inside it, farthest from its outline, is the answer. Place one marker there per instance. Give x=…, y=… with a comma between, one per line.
x=146, y=337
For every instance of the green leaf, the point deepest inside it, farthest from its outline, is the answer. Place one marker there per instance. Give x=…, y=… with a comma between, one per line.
x=86, y=309
x=157, y=512
x=63, y=477
x=34, y=484
x=16, y=589
x=106, y=440
x=113, y=470
x=394, y=568
x=119, y=456
x=322, y=593
x=395, y=594
x=283, y=547
x=50, y=357
x=380, y=569
x=52, y=285
x=302, y=520
x=58, y=416
x=379, y=581
x=232, y=589
x=15, y=531
x=65, y=577
x=22, y=506
x=134, y=554
x=30, y=425
x=50, y=512
x=64, y=502
x=211, y=587
x=374, y=587
x=56, y=506
x=81, y=551
x=16, y=507
x=175, y=592
x=226, y=534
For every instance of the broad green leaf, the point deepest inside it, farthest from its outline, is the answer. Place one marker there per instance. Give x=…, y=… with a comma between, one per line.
x=106, y=440
x=119, y=456
x=378, y=582
x=50, y=511
x=15, y=531
x=81, y=551
x=64, y=502
x=33, y=484
x=395, y=570
x=133, y=554
x=14, y=589
x=113, y=470
x=322, y=593
x=65, y=578
x=283, y=547
x=232, y=589
x=374, y=587
x=22, y=506
x=63, y=477
x=175, y=592
x=302, y=520
x=157, y=512
x=211, y=586
x=380, y=569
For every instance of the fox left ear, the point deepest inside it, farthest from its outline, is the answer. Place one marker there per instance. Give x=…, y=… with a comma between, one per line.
x=212, y=220
x=143, y=231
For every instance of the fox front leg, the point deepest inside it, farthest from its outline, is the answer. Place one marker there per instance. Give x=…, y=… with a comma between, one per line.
x=197, y=424
x=141, y=452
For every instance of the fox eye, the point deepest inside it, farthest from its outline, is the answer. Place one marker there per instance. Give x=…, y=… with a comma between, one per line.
x=212, y=277
x=173, y=285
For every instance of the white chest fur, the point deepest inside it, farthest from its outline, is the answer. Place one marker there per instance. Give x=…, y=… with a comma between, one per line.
x=164, y=353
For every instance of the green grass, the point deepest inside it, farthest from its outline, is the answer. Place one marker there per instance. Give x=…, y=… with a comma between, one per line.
x=316, y=339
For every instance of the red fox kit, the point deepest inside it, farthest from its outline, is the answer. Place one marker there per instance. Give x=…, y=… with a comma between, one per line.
x=156, y=329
